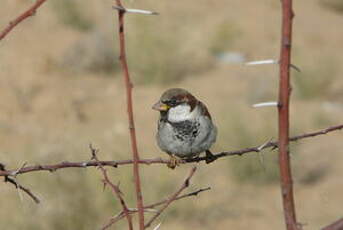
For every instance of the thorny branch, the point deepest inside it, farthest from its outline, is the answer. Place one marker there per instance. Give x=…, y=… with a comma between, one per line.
x=283, y=109
x=85, y=164
x=28, y=13
x=173, y=197
x=129, y=86
x=114, y=187
x=151, y=206
x=195, y=193
x=19, y=186
x=337, y=225
x=271, y=144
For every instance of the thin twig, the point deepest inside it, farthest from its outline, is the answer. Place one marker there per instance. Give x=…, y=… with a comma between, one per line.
x=296, y=68
x=15, y=180
x=129, y=86
x=337, y=225
x=19, y=186
x=26, y=190
x=115, y=188
x=86, y=164
x=195, y=193
x=113, y=220
x=172, y=198
x=121, y=214
x=283, y=109
x=28, y=13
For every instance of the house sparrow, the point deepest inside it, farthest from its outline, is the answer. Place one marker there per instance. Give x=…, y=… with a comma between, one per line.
x=185, y=127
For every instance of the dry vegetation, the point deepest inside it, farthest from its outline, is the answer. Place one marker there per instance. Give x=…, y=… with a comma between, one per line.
x=60, y=91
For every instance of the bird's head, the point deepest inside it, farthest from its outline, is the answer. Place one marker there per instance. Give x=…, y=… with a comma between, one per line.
x=173, y=98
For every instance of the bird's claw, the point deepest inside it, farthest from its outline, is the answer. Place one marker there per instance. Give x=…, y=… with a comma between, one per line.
x=210, y=157
x=174, y=161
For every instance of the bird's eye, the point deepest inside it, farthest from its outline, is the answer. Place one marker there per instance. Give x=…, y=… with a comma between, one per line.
x=171, y=102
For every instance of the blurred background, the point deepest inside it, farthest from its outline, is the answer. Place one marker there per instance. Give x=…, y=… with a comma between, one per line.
x=61, y=88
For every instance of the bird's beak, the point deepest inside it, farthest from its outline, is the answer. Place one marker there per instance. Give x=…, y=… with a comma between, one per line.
x=159, y=106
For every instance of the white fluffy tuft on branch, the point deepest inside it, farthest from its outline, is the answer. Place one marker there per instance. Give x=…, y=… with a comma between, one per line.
x=262, y=62
x=271, y=61
x=158, y=226
x=266, y=104
x=134, y=11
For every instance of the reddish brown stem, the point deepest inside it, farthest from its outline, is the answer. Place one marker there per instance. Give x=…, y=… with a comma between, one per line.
x=172, y=198
x=115, y=188
x=195, y=193
x=129, y=86
x=284, y=98
x=26, y=190
x=28, y=13
x=337, y=225
x=121, y=214
x=85, y=164
x=19, y=186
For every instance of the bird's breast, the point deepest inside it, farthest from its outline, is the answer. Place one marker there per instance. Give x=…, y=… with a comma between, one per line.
x=186, y=130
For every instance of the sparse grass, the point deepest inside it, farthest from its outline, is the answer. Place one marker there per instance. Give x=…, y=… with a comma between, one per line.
x=253, y=168
x=71, y=14
x=334, y=5
x=224, y=37
x=94, y=53
x=159, y=56
x=316, y=80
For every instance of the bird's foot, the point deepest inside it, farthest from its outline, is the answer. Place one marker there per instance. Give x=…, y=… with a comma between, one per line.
x=210, y=157
x=174, y=161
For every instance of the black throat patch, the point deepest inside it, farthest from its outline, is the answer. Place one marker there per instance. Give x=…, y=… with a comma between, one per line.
x=185, y=130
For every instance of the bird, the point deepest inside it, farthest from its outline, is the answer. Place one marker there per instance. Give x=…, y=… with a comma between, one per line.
x=185, y=127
